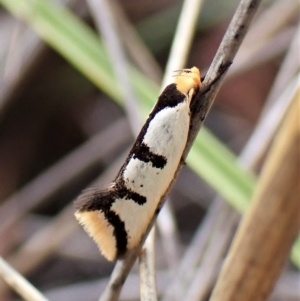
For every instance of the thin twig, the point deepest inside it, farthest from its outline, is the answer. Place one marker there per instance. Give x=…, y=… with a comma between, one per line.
x=18, y=283
x=147, y=269
x=177, y=59
x=288, y=69
x=183, y=38
x=59, y=175
x=223, y=59
x=88, y=290
x=268, y=51
x=257, y=45
x=57, y=230
x=264, y=27
x=248, y=274
x=136, y=48
x=28, y=53
x=193, y=254
x=267, y=126
x=265, y=39
x=167, y=227
x=101, y=11
x=248, y=158
x=46, y=240
x=179, y=52
x=105, y=22
x=202, y=280
x=202, y=251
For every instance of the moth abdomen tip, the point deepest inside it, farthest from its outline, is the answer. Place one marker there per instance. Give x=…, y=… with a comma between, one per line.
x=99, y=229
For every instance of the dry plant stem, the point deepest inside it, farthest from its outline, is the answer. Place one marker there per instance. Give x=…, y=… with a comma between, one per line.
x=227, y=50
x=230, y=44
x=187, y=29
x=264, y=27
x=89, y=290
x=183, y=38
x=44, y=242
x=268, y=125
x=212, y=255
x=248, y=158
x=147, y=269
x=146, y=62
x=118, y=276
x=264, y=239
x=186, y=279
x=207, y=278
x=266, y=39
x=178, y=56
x=47, y=240
x=288, y=69
x=222, y=60
x=167, y=227
x=29, y=49
x=268, y=51
x=18, y=283
x=264, y=30
x=180, y=48
x=194, y=253
x=58, y=176
x=138, y=52
x=185, y=274
x=257, y=45
x=104, y=19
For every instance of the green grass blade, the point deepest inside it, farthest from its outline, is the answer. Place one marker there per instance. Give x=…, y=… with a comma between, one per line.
x=219, y=167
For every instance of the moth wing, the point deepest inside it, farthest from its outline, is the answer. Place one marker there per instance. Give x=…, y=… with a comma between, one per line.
x=91, y=205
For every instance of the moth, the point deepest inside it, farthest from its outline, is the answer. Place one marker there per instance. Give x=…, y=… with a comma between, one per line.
x=117, y=217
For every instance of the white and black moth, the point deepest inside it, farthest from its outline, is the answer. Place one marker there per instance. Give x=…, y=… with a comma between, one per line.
x=117, y=217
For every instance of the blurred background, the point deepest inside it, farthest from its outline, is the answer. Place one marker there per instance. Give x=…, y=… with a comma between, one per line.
x=60, y=132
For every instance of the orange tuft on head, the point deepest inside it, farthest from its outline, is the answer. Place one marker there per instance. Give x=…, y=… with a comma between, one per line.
x=188, y=79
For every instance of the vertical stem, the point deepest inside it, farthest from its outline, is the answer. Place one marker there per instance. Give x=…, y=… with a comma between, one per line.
x=265, y=237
